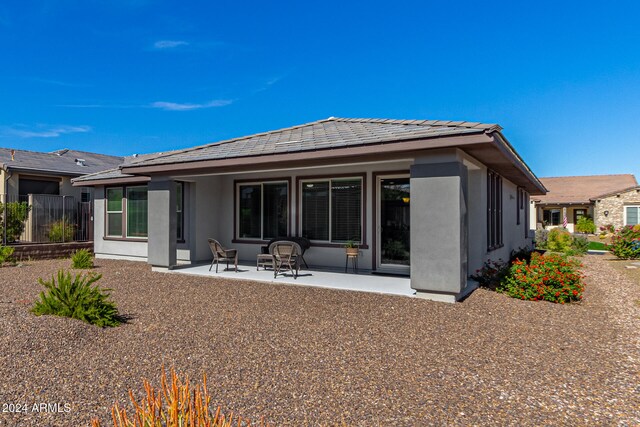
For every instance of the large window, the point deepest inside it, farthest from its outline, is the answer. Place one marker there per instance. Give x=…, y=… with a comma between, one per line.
x=263, y=210
x=332, y=210
x=494, y=210
x=127, y=211
x=632, y=215
x=551, y=217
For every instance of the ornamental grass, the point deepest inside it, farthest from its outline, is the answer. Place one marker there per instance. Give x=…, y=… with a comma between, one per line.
x=174, y=404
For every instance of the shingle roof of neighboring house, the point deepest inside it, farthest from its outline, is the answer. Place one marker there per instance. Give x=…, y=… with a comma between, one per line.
x=61, y=162
x=329, y=133
x=583, y=189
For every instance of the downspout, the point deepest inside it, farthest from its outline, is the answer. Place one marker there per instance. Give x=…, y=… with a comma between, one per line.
x=6, y=199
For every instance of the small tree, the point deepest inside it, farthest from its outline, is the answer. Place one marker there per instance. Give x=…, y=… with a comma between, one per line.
x=17, y=214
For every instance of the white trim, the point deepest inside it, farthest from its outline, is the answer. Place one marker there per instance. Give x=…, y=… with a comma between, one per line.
x=624, y=213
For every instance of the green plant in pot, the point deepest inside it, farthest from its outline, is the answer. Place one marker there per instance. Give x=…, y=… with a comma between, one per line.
x=351, y=247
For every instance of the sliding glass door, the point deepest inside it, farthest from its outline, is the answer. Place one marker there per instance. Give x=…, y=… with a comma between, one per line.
x=393, y=228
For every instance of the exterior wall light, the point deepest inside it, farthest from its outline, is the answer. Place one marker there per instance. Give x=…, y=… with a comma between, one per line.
x=606, y=213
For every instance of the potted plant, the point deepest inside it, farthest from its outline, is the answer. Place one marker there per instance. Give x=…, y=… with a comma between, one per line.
x=351, y=247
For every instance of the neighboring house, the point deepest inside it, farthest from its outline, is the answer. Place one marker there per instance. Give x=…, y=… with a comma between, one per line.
x=430, y=199
x=30, y=172
x=43, y=181
x=607, y=199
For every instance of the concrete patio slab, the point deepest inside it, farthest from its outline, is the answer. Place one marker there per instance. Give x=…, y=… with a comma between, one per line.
x=362, y=282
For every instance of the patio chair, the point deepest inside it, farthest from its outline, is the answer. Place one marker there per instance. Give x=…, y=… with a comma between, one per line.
x=220, y=253
x=286, y=257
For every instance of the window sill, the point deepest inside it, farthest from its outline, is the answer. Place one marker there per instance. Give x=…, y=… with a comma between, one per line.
x=250, y=241
x=335, y=245
x=493, y=248
x=126, y=239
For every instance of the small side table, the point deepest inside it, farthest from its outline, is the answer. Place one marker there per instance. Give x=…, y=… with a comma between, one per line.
x=264, y=261
x=354, y=262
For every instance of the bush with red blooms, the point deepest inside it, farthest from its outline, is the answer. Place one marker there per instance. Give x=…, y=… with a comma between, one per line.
x=552, y=277
x=625, y=244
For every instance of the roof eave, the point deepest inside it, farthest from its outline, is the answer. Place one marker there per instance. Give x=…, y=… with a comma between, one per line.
x=508, y=150
x=110, y=181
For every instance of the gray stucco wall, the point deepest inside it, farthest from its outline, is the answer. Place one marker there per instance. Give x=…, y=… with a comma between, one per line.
x=439, y=227
x=162, y=223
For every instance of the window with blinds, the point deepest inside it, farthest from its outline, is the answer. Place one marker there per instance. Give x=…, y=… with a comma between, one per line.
x=632, y=215
x=332, y=210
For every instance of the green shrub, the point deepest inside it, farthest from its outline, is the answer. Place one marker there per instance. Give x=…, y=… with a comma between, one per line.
x=82, y=259
x=76, y=298
x=585, y=225
x=559, y=240
x=17, y=214
x=61, y=231
x=542, y=235
x=579, y=245
x=5, y=254
x=553, y=278
x=491, y=274
x=625, y=244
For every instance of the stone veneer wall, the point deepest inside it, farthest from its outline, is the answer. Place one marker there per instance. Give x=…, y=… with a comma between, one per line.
x=615, y=205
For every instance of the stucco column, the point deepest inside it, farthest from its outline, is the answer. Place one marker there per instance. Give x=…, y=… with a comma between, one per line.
x=162, y=222
x=439, y=228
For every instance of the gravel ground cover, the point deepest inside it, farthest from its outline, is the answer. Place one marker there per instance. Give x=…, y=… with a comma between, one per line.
x=309, y=356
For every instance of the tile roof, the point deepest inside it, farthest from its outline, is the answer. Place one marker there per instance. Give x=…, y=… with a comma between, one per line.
x=583, y=189
x=322, y=134
x=61, y=162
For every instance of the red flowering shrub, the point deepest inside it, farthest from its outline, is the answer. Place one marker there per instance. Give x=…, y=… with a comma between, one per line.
x=625, y=244
x=552, y=277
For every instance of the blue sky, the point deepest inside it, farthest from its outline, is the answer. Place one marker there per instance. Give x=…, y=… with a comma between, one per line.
x=124, y=77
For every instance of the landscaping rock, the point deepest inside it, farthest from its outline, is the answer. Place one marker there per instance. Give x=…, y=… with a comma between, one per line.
x=309, y=356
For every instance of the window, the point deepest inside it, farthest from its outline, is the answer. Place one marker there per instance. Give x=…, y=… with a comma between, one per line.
x=38, y=186
x=332, y=210
x=631, y=215
x=263, y=210
x=179, y=210
x=114, y=211
x=519, y=199
x=525, y=205
x=127, y=212
x=86, y=195
x=551, y=216
x=137, y=211
x=494, y=210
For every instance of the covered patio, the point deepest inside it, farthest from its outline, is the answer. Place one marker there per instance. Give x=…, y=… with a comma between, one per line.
x=363, y=281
